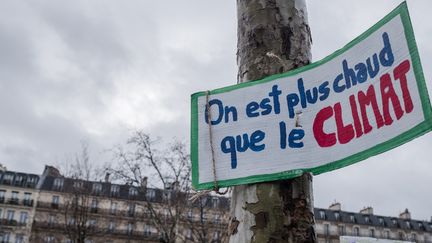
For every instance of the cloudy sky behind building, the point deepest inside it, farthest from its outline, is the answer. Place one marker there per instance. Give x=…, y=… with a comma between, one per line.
x=97, y=70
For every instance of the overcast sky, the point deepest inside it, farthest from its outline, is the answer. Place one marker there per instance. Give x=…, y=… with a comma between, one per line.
x=96, y=70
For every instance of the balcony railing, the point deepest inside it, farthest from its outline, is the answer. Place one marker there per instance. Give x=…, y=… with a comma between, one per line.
x=16, y=201
x=97, y=230
x=11, y=222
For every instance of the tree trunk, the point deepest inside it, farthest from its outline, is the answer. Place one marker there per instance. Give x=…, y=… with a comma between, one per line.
x=273, y=37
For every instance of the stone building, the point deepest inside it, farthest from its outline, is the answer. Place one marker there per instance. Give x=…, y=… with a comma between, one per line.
x=40, y=208
x=18, y=194
x=50, y=208
x=332, y=223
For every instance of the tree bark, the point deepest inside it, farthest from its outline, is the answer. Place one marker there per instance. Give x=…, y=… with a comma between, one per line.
x=273, y=37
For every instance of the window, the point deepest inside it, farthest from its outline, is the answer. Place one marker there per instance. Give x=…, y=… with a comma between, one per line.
x=322, y=214
x=113, y=207
x=150, y=194
x=190, y=214
x=414, y=237
x=27, y=199
x=341, y=230
x=166, y=213
x=111, y=226
x=51, y=219
x=19, y=238
x=1, y=211
x=55, y=201
x=401, y=236
x=326, y=229
x=10, y=215
x=2, y=195
x=97, y=188
x=94, y=205
x=14, y=198
x=217, y=218
x=32, y=180
x=381, y=221
x=216, y=235
x=6, y=237
x=408, y=225
x=71, y=221
x=49, y=239
x=356, y=231
x=115, y=189
x=19, y=180
x=372, y=233
x=133, y=191
x=58, y=183
x=215, y=201
x=366, y=218
x=23, y=218
x=352, y=218
x=131, y=209
x=387, y=234
x=147, y=230
x=7, y=179
x=78, y=184
x=337, y=215
x=130, y=228
x=189, y=234
x=91, y=222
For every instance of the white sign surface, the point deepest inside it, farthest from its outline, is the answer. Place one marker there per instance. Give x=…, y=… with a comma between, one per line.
x=362, y=100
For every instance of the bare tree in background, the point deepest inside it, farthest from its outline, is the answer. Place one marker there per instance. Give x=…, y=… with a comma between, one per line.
x=79, y=203
x=169, y=168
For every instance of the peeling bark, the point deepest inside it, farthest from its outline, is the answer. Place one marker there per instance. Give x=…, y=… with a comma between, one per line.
x=273, y=37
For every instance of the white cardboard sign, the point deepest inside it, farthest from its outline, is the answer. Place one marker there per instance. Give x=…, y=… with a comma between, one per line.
x=362, y=100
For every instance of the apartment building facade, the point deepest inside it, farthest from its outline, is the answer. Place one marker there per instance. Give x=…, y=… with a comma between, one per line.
x=365, y=226
x=18, y=194
x=102, y=211
x=43, y=208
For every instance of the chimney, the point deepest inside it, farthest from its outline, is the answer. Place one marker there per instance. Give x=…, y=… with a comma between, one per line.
x=107, y=177
x=144, y=183
x=336, y=206
x=405, y=214
x=51, y=171
x=367, y=210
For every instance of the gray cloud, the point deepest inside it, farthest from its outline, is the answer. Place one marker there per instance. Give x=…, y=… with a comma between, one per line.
x=95, y=70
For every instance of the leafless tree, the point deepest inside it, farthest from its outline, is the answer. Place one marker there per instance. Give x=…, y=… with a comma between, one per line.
x=168, y=168
x=78, y=206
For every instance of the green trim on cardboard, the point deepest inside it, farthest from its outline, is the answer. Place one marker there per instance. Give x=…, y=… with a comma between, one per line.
x=415, y=132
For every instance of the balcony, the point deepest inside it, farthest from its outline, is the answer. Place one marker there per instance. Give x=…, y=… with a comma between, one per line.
x=10, y=222
x=16, y=201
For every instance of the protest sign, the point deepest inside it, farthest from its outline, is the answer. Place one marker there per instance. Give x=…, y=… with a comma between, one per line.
x=364, y=99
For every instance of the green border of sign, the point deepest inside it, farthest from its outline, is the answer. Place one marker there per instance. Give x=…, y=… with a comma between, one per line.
x=416, y=131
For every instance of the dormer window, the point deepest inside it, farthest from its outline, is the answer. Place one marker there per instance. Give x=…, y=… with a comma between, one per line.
x=381, y=221
x=408, y=224
x=133, y=191
x=78, y=184
x=366, y=218
x=19, y=180
x=322, y=214
x=215, y=202
x=115, y=190
x=58, y=184
x=97, y=188
x=150, y=194
x=352, y=218
x=32, y=180
x=7, y=179
x=337, y=216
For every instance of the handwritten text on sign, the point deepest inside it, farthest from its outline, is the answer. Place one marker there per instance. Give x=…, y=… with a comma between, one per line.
x=356, y=103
